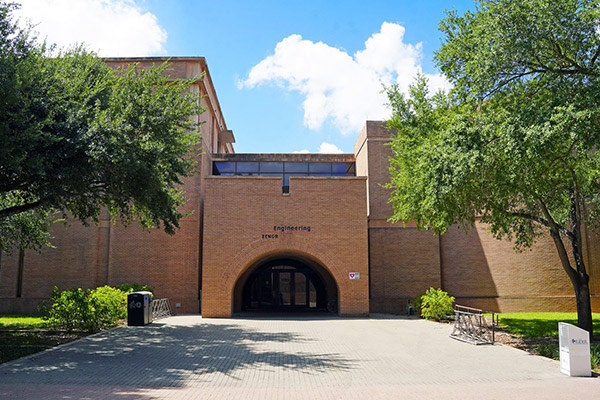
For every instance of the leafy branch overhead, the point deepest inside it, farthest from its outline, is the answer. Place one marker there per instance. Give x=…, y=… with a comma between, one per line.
x=79, y=137
x=504, y=43
x=514, y=144
x=501, y=162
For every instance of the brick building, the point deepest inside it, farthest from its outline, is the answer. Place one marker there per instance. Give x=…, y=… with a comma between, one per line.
x=291, y=232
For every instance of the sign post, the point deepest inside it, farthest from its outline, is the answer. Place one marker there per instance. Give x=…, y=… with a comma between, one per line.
x=574, y=344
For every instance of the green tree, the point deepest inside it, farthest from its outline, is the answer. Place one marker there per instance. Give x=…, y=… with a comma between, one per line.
x=515, y=142
x=79, y=137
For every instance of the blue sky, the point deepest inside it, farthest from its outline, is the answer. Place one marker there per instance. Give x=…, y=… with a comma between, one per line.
x=315, y=89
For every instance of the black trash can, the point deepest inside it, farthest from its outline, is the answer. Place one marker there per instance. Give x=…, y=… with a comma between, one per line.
x=139, y=308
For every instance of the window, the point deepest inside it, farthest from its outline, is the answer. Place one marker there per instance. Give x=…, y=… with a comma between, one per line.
x=350, y=169
x=247, y=168
x=296, y=167
x=222, y=167
x=319, y=168
x=284, y=169
x=271, y=167
x=338, y=168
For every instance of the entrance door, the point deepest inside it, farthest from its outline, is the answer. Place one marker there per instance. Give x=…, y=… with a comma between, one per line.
x=284, y=286
x=285, y=290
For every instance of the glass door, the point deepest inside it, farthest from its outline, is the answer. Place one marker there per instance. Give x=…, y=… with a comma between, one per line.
x=300, y=293
x=285, y=288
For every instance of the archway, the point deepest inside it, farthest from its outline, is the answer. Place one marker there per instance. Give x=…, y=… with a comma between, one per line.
x=286, y=284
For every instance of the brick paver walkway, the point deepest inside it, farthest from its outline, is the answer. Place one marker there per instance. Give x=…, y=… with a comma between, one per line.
x=186, y=357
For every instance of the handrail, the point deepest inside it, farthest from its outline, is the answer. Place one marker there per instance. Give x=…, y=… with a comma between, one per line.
x=458, y=307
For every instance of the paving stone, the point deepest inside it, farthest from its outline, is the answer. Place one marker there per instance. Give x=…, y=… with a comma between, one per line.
x=302, y=357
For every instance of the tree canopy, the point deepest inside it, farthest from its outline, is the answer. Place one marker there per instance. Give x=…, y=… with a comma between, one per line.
x=79, y=137
x=514, y=144
x=503, y=44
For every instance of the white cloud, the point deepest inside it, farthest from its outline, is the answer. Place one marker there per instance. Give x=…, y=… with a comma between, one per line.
x=324, y=148
x=335, y=85
x=110, y=27
x=329, y=148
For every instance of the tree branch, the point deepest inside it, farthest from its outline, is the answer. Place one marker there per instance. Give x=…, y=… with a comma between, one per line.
x=506, y=81
x=540, y=221
x=561, y=55
x=560, y=246
x=534, y=68
x=7, y=212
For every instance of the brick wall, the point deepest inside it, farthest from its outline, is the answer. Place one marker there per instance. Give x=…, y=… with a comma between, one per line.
x=239, y=210
x=404, y=263
x=75, y=261
x=477, y=269
x=350, y=233
x=95, y=255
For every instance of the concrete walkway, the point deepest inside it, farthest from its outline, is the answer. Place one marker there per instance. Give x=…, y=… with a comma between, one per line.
x=186, y=357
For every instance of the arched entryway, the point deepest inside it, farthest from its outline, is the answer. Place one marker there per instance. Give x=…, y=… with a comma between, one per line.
x=286, y=284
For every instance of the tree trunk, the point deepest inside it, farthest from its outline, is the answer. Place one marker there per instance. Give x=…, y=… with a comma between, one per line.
x=580, y=280
x=584, y=306
x=20, y=272
x=578, y=276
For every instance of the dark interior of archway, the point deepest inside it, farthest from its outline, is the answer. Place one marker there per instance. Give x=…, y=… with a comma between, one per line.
x=287, y=285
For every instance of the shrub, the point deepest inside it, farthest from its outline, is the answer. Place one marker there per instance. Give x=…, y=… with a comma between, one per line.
x=69, y=308
x=110, y=305
x=417, y=303
x=548, y=350
x=595, y=356
x=135, y=287
x=436, y=304
x=86, y=310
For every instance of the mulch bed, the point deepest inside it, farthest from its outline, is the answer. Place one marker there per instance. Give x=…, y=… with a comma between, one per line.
x=527, y=344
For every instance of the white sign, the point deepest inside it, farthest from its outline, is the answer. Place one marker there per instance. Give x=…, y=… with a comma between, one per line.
x=574, y=344
x=354, y=275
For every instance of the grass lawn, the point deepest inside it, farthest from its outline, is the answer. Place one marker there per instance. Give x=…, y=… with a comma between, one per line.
x=539, y=332
x=541, y=324
x=22, y=322
x=21, y=335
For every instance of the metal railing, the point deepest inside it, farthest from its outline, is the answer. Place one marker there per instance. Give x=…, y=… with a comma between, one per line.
x=161, y=308
x=473, y=325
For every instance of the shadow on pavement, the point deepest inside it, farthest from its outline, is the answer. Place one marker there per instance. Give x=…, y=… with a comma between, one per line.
x=165, y=356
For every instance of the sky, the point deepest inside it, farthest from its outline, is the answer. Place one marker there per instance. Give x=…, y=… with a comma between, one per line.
x=291, y=76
